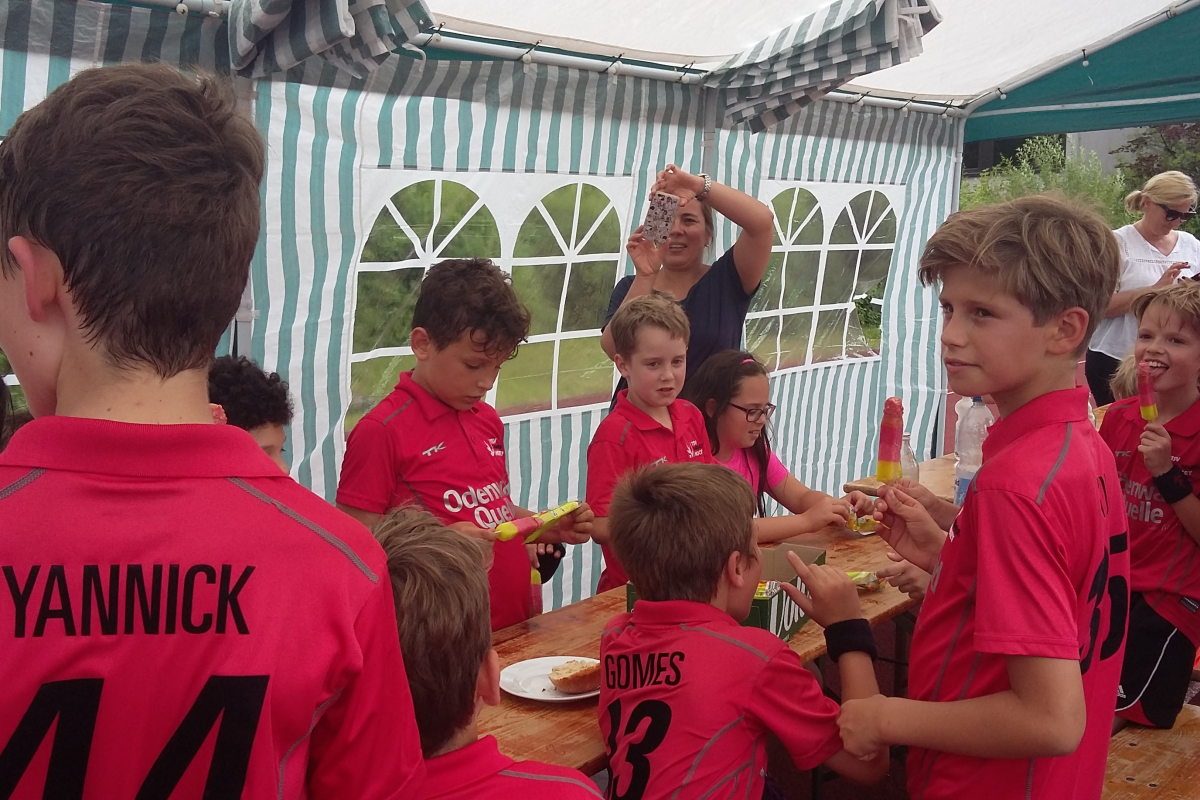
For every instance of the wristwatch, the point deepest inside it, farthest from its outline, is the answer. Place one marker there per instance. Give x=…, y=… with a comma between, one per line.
x=707, y=186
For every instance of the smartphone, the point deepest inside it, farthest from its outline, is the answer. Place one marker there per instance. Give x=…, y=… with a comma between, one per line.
x=660, y=217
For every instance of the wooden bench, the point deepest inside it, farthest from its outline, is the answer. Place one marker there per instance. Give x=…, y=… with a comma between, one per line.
x=1147, y=762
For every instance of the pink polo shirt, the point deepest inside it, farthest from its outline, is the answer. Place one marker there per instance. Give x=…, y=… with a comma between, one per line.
x=480, y=770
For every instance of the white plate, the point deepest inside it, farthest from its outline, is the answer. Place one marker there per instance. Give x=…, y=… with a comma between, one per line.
x=531, y=679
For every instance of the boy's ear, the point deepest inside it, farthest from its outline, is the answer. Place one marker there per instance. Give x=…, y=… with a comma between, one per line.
x=1067, y=331
x=487, y=687
x=422, y=345
x=735, y=570
x=43, y=275
x=622, y=367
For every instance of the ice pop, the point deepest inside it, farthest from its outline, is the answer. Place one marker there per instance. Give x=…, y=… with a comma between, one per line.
x=1146, y=392
x=533, y=527
x=891, y=434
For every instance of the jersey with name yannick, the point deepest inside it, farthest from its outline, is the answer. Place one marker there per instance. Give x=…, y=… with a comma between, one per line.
x=168, y=587
x=629, y=438
x=1164, y=559
x=711, y=690
x=1037, y=564
x=413, y=448
x=480, y=770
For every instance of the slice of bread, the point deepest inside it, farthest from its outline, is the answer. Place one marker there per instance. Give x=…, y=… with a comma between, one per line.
x=576, y=677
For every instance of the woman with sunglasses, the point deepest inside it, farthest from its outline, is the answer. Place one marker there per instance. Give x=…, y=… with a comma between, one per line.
x=1154, y=253
x=731, y=390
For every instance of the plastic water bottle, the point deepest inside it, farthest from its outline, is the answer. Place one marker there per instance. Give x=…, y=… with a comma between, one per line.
x=908, y=461
x=968, y=446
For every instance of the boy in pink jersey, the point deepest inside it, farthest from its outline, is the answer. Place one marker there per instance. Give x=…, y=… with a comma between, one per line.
x=648, y=423
x=434, y=441
x=179, y=618
x=687, y=695
x=254, y=401
x=1159, y=466
x=441, y=596
x=1017, y=649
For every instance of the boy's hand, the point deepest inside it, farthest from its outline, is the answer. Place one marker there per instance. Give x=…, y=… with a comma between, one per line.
x=576, y=527
x=905, y=576
x=908, y=528
x=544, y=549
x=1156, y=448
x=646, y=256
x=863, y=504
x=832, y=596
x=918, y=492
x=827, y=511
x=474, y=531
x=858, y=722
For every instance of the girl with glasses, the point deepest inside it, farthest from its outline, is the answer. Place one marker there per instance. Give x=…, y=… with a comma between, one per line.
x=732, y=392
x=1154, y=254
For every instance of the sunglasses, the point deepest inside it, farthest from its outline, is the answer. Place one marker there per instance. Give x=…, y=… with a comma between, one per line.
x=1173, y=215
x=755, y=414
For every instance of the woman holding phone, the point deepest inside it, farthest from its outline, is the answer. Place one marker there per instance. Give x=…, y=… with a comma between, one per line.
x=1154, y=253
x=714, y=296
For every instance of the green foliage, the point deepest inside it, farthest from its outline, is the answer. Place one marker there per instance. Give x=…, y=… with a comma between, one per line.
x=1158, y=149
x=1043, y=165
x=18, y=396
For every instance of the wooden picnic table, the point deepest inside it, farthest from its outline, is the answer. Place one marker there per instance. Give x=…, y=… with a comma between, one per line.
x=568, y=734
x=937, y=474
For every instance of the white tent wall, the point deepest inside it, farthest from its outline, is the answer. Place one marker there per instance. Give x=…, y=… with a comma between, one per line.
x=324, y=131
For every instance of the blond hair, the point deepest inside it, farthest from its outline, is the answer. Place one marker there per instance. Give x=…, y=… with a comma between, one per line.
x=674, y=526
x=1047, y=252
x=658, y=309
x=1171, y=188
x=1181, y=298
x=1123, y=383
x=440, y=590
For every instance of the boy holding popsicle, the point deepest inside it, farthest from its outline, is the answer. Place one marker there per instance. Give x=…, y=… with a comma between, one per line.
x=1017, y=650
x=1156, y=440
x=435, y=442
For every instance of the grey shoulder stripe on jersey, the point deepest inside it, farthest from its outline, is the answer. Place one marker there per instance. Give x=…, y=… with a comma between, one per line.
x=312, y=526
x=1062, y=456
x=962, y=623
x=530, y=776
x=22, y=482
x=399, y=410
x=728, y=640
x=316, y=716
x=624, y=431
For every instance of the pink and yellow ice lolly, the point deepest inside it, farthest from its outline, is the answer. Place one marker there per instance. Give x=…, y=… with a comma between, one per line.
x=1146, y=392
x=891, y=436
x=533, y=527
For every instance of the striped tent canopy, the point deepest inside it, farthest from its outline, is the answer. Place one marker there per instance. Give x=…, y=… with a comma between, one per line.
x=269, y=36
x=822, y=50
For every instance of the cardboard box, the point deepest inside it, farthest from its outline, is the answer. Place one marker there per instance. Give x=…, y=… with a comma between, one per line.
x=777, y=614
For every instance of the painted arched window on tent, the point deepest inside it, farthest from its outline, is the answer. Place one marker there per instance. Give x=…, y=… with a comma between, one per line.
x=418, y=226
x=564, y=265
x=779, y=325
x=857, y=261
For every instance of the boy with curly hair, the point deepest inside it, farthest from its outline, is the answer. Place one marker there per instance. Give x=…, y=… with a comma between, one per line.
x=254, y=401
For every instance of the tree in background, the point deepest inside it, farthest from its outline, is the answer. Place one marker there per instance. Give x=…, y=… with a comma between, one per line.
x=1042, y=164
x=1158, y=149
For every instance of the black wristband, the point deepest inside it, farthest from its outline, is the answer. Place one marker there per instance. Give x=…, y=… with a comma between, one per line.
x=1173, y=485
x=850, y=635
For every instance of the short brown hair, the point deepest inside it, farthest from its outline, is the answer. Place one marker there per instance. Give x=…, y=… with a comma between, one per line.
x=1047, y=252
x=471, y=295
x=674, y=526
x=1182, y=298
x=441, y=594
x=144, y=182
x=658, y=309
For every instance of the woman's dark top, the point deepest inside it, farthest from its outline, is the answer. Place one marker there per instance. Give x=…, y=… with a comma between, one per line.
x=716, y=310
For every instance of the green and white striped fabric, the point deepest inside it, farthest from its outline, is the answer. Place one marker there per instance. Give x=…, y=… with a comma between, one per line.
x=801, y=63
x=269, y=36
x=324, y=128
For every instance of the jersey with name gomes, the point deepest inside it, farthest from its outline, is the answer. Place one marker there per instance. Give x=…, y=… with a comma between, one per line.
x=629, y=438
x=1164, y=559
x=688, y=696
x=413, y=448
x=1037, y=564
x=181, y=619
